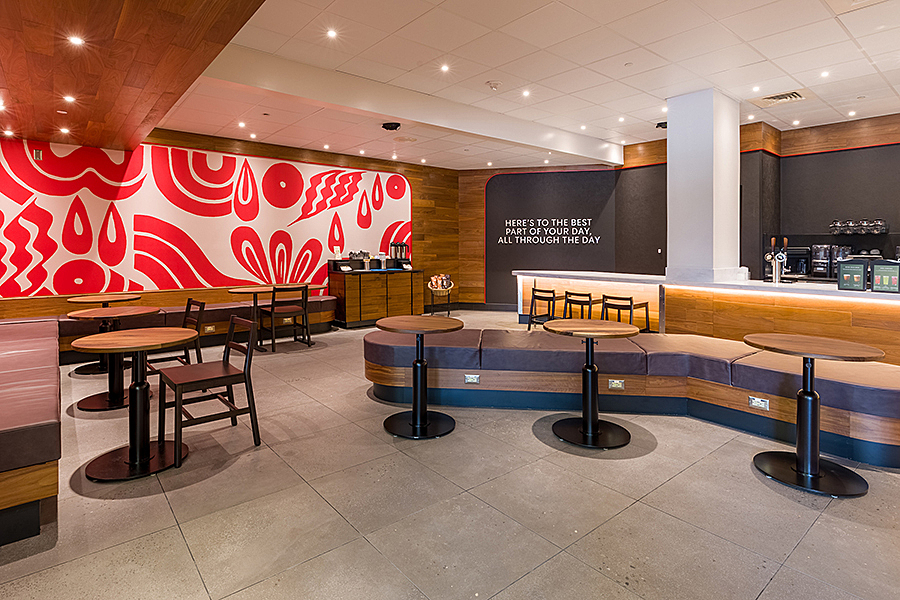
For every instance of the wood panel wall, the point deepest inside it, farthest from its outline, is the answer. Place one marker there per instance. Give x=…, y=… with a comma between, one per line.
x=760, y=136
x=435, y=194
x=645, y=153
x=876, y=131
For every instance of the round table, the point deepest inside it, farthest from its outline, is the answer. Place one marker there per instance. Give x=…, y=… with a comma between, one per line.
x=114, y=398
x=804, y=469
x=419, y=423
x=139, y=458
x=256, y=290
x=100, y=367
x=589, y=431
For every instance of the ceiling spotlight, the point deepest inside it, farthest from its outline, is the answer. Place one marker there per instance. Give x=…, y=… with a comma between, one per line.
x=69, y=98
x=2, y=106
x=242, y=124
x=423, y=161
x=390, y=126
x=493, y=84
x=325, y=146
x=824, y=73
x=665, y=109
x=546, y=162
x=63, y=130
x=796, y=122
x=445, y=68
x=852, y=113
x=751, y=117
x=332, y=33
x=252, y=136
x=76, y=40
x=526, y=93
x=393, y=157
x=62, y=112
x=755, y=88
x=621, y=119
x=8, y=133
x=490, y=164
x=623, y=141
x=362, y=151
x=583, y=127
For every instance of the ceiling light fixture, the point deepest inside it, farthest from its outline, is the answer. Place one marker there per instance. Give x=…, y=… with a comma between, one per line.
x=2, y=106
x=490, y=164
x=64, y=130
x=445, y=68
x=8, y=133
x=755, y=88
x=526, y=93
x=76, y=40
x=252, y=136
x=751, y=117
x=665, y=109
x=493, y=84
x=69, y=98
x=796, y=122
x=852, y=113
x=623, y=141
x=621, y=119
x=546, y=162
x=423, y=161
x=583, y=127
x=62, y=112
x=242, y=124
x=332, y=33
x=362, y=151
x=325, y=146
x=824, y=73
x=393, y=157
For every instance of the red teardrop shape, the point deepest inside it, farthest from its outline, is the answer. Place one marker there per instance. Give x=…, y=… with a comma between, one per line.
x=112, y=243
x=281, y=247
x=377, y=194
x=77, y=236
x=246, y=196
x=336, y=234
x=364, y=212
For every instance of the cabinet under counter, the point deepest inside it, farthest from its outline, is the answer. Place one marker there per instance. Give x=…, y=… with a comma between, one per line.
x=363, y=297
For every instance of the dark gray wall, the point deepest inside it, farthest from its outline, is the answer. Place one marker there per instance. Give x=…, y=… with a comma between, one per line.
x=760, y=207
x=641, y=220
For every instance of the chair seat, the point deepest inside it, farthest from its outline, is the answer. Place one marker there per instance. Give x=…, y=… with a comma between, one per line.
x=201, y=373
x=290, y=309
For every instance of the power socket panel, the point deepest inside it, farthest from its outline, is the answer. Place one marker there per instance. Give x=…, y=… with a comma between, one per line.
x=209, y=329
x=472, y=378
x=617, y=384
x=760, y=403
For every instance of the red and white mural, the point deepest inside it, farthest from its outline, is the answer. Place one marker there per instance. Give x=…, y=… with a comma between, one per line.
x=84, y=220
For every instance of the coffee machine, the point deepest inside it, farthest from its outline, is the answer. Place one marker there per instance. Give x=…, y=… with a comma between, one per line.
x=821, y=260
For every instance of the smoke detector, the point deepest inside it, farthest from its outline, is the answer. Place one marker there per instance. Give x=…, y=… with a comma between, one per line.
x=782, y=98
x=405, y=139
x=493, y=84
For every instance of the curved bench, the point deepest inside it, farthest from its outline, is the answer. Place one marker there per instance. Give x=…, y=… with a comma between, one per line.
x=709, y=378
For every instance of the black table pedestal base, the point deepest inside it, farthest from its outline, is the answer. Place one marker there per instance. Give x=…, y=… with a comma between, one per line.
x=114, y=465
x=609, y=435
x=437, y=424
x=832, y=480
x=101, y=402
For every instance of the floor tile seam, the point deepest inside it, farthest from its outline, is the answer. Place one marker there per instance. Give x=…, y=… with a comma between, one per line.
x=822, y=581
x=619, y=512
x=593, y=568
x=191, y=553
x=399, y=570
x=529, y=572
x=583, y=476
x=417, y=511
x=686, y=467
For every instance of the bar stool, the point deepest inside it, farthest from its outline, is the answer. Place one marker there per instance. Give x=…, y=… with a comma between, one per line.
x=580, y=299
x=620, y=303
x=548, y=296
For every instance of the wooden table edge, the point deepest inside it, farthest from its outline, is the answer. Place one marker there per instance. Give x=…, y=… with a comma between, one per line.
x=79, y=344
x=456, y=326
x=875, y=355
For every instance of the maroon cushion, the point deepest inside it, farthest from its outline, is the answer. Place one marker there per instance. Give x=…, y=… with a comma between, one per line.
x=543, y=351
x=691, y=355
x=455, y=350
x=322, y=303
x=213, y=313
x=871, y=387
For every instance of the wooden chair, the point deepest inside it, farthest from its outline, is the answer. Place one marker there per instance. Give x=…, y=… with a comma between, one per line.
x=193, y=321
x=547, y=296
x=283, y=308
x=620, y=303
x=581, y=300
x=206, y=377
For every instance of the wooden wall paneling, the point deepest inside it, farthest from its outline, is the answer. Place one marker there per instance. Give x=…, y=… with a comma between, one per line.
x=471, y=235
x=418, y=293
x=373, y=296
x=399, y=294
x=760, y=136
x=838, y=136
x=644, y=153
x=28, y=484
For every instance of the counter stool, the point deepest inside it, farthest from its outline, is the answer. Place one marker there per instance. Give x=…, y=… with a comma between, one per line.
x=620, y=303
x=548, y=296
x=580, y=299
x=439, y=292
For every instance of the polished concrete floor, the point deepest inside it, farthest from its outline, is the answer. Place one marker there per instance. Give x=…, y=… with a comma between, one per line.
x=331, y=506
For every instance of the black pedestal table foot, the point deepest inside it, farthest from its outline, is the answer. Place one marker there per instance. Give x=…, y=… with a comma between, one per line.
x=114, y=465
x=609, y=435
x=437, y=424
x=832, y=480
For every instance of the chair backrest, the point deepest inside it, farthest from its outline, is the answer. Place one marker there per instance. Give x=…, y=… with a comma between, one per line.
x=540, y=295
x=618, y=304
x=245, y=349
x=627, y=302
x=193, y=320
x=579, y=299
x=281, y=290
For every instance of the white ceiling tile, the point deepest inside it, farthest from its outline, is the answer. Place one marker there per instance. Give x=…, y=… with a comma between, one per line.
x=562, y=104
x=286, y=17
x=847, y=70
x=821, y=58
x=660, y=77
x=561, y=122
x=508, y=82
x=305, y=131
x=254, y=126
x=275, y=115
x=682, y=87
x=880, y=43
x=800, y=39
x=549, y=25
x=776, y=17
x=857, y=98
x=494, y=13
x=636, y=102
x=872, y=19
x=893, y=76
x=280, y=139
x=200, y=116
x=722, y=60
x=435, y=145
x=756, y=72
x=887, y=62
x=536, y=93
x=443, y=30
x=402, y=53
x=418, y=82
x=702, y=40
x=216, y=105
x=858, y=85
x=343, y=115
x=767, y=87
x=363, y=67
x=652, y=113
x=628, y=63
x=352, y=37
x=312, y=54
x=260, y=39
x=574, y=80
x=495, y=49
x=470, y=149
x=720, y=9
x=528, y=113
x=461, y=94
x=539, y=65
x=460, y=69
x=606, y=92
x=592, y=46
x=873, y=108
x=590, y=114
x=387, y=15
x=496, y=104
x=607, y=11
x=660, y=21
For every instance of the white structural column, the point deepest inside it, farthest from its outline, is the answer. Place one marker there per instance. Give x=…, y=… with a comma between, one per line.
x=703, y=180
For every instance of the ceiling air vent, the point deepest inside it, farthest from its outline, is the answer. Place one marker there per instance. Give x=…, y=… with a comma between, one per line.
x=783, y=98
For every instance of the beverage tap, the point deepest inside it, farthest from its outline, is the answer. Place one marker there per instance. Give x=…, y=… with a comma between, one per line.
x=778, y=258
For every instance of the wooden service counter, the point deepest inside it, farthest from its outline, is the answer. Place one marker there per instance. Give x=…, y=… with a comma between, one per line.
x=363, y=297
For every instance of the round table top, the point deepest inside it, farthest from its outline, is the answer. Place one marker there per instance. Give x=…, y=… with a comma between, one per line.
x=113, y=312
x=133, y=340
x=103, y=298
x=813, y=347
x=591, y=328
x=419, y=324
x=267, y=289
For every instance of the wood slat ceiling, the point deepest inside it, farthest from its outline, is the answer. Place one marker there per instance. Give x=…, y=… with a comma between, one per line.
x=138, y=58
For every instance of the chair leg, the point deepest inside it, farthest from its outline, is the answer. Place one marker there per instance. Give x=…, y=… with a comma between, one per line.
x=230, y=394
x=272, y=323
x=251, y=402
x=306, y=329
x=178, y=400
x=161, y=428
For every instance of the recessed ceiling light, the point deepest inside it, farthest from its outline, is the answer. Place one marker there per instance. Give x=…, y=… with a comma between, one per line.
x=751, y=117
x=62, y=112
x=2, y=106
x=393, y=157
x=445, y=68
x=796, y=122
x=755, y=88
x=253, y=136
x=423, y=160
x=665, y=109
x=362, y=151
x=546, y=162
x=63, y=130
x=242, y=124
x=76, y=40
x=69, y=98
x=490, y=164
x=621, y=119
x=325, y=146
x=583, y=127
x=526, y=93
x=852, y=113
x=623, y=141
x=332, y=33
x=824, y=73
x=8, y=133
